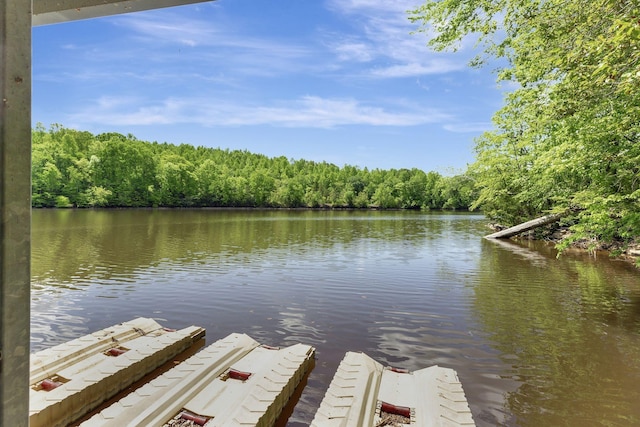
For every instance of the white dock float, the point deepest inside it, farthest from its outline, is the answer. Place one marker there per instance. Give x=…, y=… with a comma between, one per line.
x=363, y=393
x=232, y=382
x=70, y=379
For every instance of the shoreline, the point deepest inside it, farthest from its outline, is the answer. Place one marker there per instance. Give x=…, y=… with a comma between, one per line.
x=629, y=252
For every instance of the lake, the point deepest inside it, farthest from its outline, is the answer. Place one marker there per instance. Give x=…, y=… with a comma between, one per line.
x=536, y=340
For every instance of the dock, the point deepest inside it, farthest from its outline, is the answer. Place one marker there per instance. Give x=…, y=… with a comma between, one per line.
x=234, y=382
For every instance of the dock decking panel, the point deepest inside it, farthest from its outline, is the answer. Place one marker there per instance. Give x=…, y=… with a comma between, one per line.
x=200, y=386
x=87, y=376
x=434, y=396
x=48, y=362
x=350, y=400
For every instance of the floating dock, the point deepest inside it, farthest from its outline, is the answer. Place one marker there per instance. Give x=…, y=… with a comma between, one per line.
x=233, y=382
x=364, y=393
x=71, y=379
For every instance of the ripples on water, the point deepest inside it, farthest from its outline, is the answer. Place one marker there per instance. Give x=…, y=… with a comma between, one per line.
x=535, y=340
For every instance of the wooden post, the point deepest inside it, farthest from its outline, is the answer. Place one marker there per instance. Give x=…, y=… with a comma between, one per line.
x=15, y=210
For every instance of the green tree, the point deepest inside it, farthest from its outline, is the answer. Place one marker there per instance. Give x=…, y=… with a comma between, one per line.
x=177, y=181
x=46, y=178
x=126, y=169
x=384, y=196
x=78, y=181
x=457, y=192
x=261, y=186
x=568, y=136
x=97, y=197
x=289, y=193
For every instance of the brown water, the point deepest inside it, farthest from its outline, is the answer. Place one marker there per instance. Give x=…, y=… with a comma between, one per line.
x=536, y=341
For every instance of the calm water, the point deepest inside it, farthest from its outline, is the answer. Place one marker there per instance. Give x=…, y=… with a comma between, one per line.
x=536, y=341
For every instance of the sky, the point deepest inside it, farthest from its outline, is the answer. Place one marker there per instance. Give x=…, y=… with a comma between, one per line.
x=348, y=82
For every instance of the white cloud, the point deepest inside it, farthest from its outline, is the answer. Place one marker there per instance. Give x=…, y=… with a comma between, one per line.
x=170, y=27
x=435, y=66
x=470, y=127
x=213, y=44
x=385, y=32
x=308, y=112
x=354, y=51
x=373, y=7
x=113, y=102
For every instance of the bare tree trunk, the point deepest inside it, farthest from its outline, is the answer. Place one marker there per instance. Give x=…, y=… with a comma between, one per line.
x=526, y=226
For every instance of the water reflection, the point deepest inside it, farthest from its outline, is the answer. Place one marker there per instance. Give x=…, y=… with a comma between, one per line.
x=127, y=240
x=569, y=330
x=535, y=340
x=532, y=255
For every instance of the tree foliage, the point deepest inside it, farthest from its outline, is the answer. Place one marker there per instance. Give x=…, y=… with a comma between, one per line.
x=74, y=168
x=569, y=135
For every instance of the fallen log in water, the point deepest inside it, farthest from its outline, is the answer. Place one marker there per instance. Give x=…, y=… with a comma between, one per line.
x=526, y=226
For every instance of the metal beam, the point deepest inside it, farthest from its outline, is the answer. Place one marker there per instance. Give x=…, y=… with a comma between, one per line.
x=55, y=11
x=15, y=210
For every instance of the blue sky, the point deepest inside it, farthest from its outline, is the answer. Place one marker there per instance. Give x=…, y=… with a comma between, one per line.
x=342, y=81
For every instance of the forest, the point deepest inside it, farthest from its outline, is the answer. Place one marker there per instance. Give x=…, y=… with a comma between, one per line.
x=72, y=168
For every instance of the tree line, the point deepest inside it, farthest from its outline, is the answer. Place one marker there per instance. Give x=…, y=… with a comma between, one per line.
x=568, y=136
x=72, y=168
